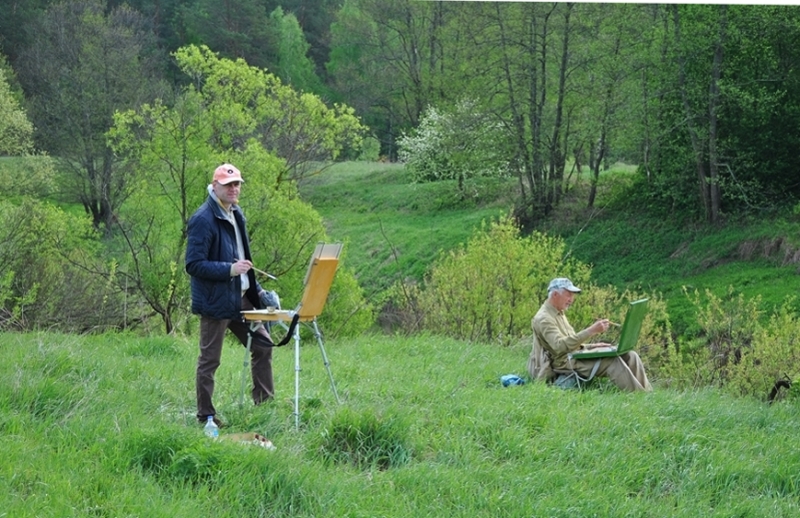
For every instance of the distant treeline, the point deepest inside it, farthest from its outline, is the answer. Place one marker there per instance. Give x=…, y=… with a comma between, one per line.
x=704, y=97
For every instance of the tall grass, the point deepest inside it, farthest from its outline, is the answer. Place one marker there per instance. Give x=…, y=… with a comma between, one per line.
x=104, y=426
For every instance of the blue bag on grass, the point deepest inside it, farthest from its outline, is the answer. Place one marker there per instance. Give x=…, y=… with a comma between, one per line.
x=511, y=379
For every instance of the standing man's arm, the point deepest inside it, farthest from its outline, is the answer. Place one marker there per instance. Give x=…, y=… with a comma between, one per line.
x=198, y=251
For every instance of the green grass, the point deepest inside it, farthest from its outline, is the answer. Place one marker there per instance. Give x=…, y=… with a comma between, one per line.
x=104, y=426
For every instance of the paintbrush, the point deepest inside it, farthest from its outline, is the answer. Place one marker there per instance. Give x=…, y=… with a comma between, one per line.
x=268, y=275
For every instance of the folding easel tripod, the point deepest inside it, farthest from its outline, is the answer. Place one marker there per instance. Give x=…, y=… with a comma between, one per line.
x=319, y=277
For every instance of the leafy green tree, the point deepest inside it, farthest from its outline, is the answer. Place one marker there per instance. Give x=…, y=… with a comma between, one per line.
x=293, y=66
x=82, y=66
x=298, y=127
x=461, y=144
x=723, y=109
x=386, y=60
x=315, y=17
x=176, y=148
x=605, y=95
x=163, y=18
x=16, y=131
x=16, y=18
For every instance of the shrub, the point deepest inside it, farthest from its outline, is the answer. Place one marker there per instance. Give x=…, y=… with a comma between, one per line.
x=490, y=288
x=46, y=282
x=370, y=150
x=727, y=326
x=772, y=354
x=733, y=350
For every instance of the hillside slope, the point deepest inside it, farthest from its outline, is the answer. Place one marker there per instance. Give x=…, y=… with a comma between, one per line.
x=396, y=229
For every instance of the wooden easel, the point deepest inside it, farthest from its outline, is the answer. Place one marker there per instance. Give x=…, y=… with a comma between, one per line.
x=317, y=285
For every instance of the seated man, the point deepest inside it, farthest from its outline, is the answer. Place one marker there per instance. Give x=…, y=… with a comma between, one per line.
x=554, y=337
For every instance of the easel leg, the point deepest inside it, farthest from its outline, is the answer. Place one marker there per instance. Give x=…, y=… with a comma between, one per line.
x=325, y=360
x=297, y=377
x=246, y=361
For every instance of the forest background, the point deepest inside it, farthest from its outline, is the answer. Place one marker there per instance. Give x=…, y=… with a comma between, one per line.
x=115, y=112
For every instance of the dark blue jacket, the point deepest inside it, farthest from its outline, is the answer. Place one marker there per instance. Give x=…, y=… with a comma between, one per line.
x=210, y=252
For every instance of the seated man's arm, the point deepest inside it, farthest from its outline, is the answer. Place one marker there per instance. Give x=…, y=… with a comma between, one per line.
x=560, y=341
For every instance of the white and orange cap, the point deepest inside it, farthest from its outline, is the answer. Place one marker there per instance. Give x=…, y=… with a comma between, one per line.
x=227, y=173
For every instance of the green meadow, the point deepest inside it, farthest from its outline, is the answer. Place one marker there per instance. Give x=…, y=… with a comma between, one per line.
x=103, y=425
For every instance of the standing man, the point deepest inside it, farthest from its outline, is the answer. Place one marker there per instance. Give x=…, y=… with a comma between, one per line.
x=223, y=284
x=554, y=337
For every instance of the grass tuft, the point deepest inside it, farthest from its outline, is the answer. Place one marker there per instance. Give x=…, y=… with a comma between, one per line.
x=366, y=441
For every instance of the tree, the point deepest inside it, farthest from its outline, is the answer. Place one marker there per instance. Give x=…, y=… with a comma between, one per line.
x=219, y=118
x=613, y=52
x=293, y=65
x=234, y=29
x=525, y=43
x=16, y=131
x=14, y=21
x=461, y=144
x=297, y=127
x=386, y=61
x=703, y=139
x=725, y=109
x=315, y=17
x=82, y=66
x=16, y=139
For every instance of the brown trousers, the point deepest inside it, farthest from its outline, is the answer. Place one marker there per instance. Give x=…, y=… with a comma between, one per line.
x=212, y=335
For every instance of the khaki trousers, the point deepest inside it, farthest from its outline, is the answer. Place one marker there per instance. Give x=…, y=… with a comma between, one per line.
x=625, y=371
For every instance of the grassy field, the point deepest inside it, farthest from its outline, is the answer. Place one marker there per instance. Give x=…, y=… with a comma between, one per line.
x=104, y=426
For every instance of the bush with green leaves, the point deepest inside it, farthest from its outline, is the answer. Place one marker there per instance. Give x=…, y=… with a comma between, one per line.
x=370, y=150
x=772, y=354
x=45, y=281
x=727, y=325
x=461, y=144
x=734, y=348
x=490, y=288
